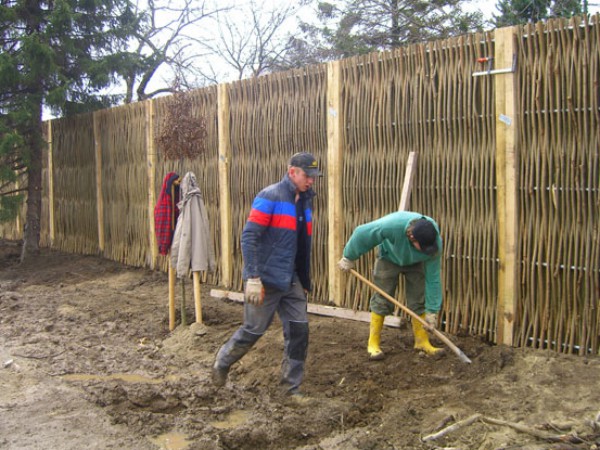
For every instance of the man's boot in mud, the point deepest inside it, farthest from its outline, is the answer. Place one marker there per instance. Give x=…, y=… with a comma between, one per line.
x=231, y=352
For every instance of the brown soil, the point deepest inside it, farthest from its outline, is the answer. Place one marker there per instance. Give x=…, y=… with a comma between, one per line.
x=86, y=361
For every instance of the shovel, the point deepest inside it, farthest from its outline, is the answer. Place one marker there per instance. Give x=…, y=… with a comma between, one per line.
x=414, y=316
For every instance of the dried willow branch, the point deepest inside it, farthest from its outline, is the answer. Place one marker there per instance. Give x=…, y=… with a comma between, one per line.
x=567, y=438
x=182, y=135
x=463, y=423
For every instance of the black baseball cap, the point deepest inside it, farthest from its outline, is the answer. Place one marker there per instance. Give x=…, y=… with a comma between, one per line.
x=426, y=235
x=306, y=162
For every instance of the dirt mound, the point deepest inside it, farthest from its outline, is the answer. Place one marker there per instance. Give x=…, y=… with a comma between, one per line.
x=87, y=362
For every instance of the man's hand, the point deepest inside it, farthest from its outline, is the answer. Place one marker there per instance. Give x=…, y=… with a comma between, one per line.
x=431, y=319
x=254, y=293
x=345, y=264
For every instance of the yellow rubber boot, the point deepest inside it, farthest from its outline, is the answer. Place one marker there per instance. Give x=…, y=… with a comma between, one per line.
x=373, y=347
x=422, y=339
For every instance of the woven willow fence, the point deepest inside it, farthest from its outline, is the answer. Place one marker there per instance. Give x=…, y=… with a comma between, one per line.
x=558, y=196
x=507, y=164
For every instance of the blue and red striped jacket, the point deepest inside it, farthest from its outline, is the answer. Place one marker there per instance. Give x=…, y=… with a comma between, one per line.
x=269, y=239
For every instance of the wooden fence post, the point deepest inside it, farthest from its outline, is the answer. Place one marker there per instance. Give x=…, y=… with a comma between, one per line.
x=151, y=167
x=50, y=187
x=224, y=184
x=335, y=171
x=99, y=197
x=506, y=180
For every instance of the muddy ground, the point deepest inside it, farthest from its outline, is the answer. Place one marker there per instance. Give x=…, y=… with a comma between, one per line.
x=87, y=361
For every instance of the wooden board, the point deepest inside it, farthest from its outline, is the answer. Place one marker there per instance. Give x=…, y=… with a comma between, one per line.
x=321, y=310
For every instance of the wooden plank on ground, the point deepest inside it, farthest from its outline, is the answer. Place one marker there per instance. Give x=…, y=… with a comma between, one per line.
x=320, y=310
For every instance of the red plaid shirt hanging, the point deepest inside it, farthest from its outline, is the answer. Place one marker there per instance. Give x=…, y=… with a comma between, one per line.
x=166, y=213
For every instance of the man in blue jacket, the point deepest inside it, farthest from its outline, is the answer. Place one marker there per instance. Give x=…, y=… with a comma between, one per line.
x=276, y=244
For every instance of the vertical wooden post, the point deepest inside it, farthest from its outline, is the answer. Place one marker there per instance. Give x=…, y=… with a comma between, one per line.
x=173, y=270
x=506, y=178
x=99, y=196
x=335, y=171
x=224, y=185
x=151, y=172
x=197, y=296
x=50, y=187
x=172, y=279
x=411, y=167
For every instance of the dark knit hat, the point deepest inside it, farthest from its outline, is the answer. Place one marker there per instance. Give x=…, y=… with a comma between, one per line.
x=426, y=235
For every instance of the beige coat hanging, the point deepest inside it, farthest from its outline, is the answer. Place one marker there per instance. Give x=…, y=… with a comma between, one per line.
x=192, y=247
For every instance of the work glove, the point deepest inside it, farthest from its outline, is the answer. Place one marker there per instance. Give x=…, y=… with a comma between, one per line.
x=431, y=319
x=254, y=293
x=345, y=264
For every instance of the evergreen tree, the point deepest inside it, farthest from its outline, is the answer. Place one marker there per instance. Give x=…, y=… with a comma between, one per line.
x=56, y=54
x=566, y=8
x=517, y=12
x=352, y=27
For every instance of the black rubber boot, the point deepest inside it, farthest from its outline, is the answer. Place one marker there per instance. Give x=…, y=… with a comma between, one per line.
x=219, y=375
x=231, y=352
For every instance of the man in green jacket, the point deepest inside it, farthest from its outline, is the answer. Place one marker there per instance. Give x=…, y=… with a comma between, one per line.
x=409, y=244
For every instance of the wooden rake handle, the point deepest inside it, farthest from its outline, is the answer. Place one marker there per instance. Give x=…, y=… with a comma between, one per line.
x=438, y=333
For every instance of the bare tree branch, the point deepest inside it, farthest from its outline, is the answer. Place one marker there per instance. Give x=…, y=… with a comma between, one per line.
x=14, y=191
x=162, y=41
x=255, y=45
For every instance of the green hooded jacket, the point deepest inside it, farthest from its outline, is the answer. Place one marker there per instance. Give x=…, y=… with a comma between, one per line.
x=389, y=233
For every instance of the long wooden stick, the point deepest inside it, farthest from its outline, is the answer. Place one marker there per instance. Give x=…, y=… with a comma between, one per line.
x=172, y=277
x=415, y=316
x=537, y=433
x=197, y=298
x=455, y=426
x=183, y=312
x=569, y=438
x=409, y=173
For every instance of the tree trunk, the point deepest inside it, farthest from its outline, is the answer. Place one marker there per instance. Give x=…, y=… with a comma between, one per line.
x=31, y=233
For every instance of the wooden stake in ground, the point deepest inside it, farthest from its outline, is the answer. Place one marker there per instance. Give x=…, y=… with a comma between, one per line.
x=197, y=300
x=172, y=272
x=183, y=315
x=172, y=277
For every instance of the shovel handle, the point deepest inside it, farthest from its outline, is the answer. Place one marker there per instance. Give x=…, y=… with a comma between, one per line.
x=415, y=316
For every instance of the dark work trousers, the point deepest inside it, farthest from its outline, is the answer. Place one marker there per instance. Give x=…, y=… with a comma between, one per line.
x=386, y=275
x=291, y=307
